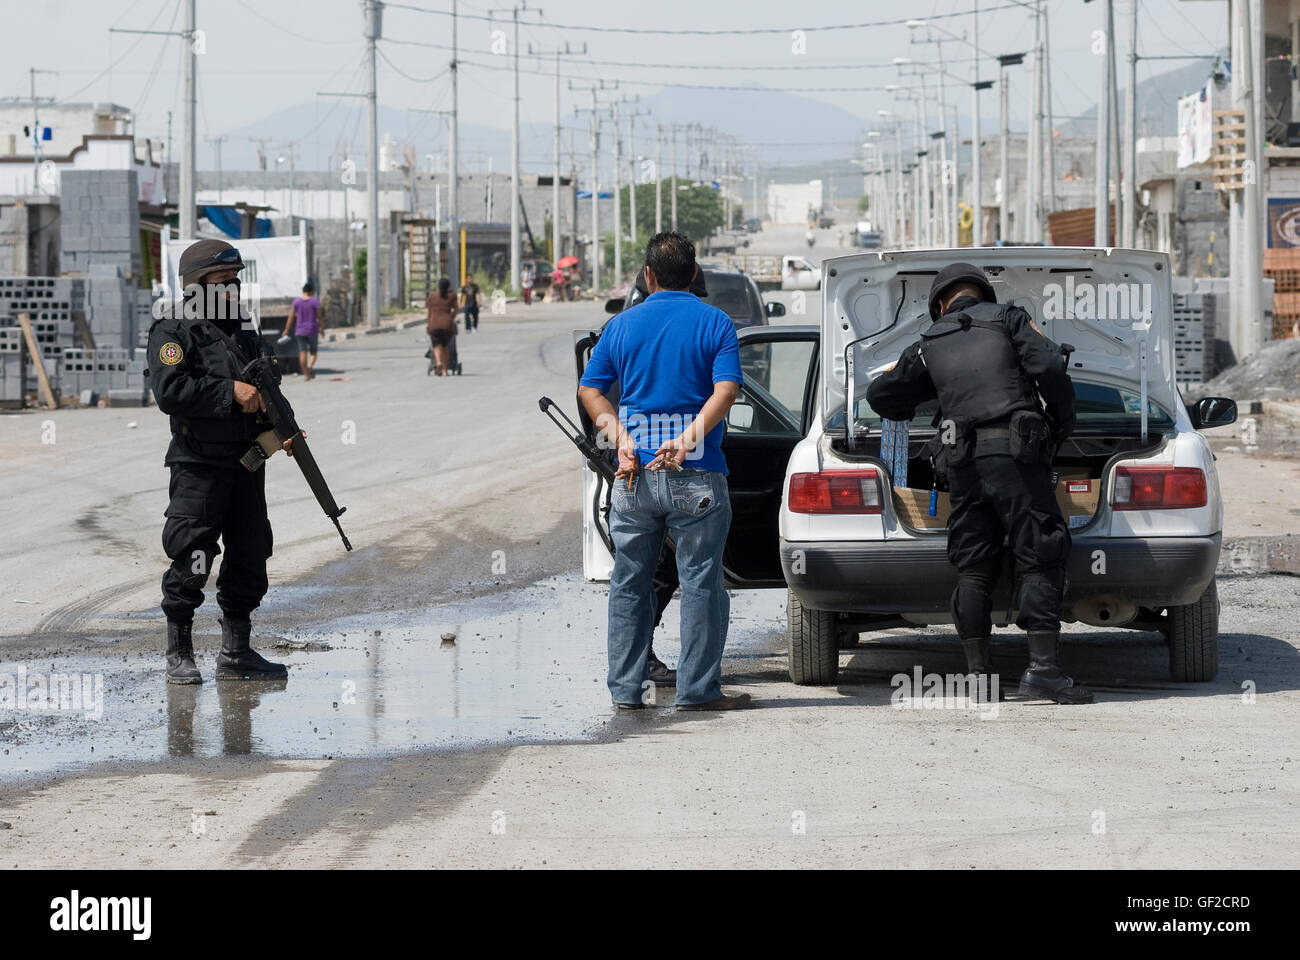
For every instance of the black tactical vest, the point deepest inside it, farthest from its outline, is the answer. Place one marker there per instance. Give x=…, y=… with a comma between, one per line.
x=973, y=365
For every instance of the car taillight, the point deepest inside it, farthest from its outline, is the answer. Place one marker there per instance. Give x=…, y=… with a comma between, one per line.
x=1158, y=488
x=835, y=491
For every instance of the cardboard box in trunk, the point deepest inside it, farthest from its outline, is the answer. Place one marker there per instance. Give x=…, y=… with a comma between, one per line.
x=1076, y=493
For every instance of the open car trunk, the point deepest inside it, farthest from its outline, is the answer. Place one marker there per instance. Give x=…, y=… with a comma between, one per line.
x=1114, y=307
x=1080, y=466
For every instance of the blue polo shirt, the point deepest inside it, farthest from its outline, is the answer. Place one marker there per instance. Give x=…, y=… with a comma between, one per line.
x=666, y=353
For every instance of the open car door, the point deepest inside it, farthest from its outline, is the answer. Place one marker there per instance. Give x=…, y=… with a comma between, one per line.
x=769, y=417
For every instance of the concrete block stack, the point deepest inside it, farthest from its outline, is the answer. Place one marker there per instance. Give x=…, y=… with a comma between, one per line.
x=106, y=373
x=51, y=304
x=111, y=306
x=100, y=220
x=1194, y=315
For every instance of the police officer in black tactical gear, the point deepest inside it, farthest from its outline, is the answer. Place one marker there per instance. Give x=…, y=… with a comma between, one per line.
x=195, y=353
x=988, y=365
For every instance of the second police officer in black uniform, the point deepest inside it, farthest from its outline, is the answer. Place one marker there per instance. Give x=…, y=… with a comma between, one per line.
x=988, y=364
x=194, y=356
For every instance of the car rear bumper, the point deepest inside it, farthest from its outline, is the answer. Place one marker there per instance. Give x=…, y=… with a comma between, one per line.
x=914, y=576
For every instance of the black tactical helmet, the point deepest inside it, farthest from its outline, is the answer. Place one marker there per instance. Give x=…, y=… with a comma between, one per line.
x=956, y=273
x=207, y=256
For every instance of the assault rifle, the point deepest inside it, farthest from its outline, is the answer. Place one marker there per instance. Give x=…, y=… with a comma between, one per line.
x=264, y=374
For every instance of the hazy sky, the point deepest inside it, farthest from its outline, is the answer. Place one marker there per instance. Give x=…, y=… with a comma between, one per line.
x=266, y=55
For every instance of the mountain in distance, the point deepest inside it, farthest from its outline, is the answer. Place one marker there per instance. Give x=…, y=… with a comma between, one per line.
x=812, y=131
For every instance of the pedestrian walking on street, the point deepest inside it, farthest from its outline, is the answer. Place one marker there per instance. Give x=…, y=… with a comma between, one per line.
x=193, y=371
x=677, y=362
x=441, y=311
x=471, y=299
x=988, y=365
x=307, y=320
x=526, y=282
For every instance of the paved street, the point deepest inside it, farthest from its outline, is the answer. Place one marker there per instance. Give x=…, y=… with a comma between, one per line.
x=391, y=746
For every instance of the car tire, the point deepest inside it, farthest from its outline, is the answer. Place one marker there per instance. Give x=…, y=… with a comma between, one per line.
x=814, y=645
x=1194, y=638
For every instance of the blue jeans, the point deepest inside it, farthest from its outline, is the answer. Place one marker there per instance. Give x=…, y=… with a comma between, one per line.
x=692, y=507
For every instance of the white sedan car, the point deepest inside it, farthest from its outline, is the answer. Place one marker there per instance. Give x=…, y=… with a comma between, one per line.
x=862, y=539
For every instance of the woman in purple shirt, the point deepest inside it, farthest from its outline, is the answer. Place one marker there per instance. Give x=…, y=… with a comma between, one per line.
x=307, y=320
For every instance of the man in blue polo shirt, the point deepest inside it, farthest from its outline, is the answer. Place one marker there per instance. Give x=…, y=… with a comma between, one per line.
x=677, y=363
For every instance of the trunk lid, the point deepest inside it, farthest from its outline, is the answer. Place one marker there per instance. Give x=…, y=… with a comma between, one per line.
x=1114, y=306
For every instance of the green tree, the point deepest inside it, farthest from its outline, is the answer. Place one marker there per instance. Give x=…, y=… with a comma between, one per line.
x=864, y=202
x=360, y=272
x=700, y=211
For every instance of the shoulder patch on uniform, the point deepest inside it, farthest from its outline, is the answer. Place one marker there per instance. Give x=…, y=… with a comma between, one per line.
x=171, y=353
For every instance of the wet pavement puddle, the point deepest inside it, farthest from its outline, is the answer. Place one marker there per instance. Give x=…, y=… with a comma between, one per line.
x=526, y=665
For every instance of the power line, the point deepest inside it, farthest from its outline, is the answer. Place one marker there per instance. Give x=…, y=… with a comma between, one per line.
x=692, y=66
x=398, y=70
x=109, y=69
x=690, y=86
x=284, y=29
x=894, y=22
x=153, y=74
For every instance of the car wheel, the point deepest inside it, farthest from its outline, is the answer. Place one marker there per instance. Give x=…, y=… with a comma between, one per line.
x=1194, y=638
x=814, y=644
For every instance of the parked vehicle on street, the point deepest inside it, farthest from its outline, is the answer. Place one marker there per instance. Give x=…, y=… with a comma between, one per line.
x=819, y=511
x=790, y=272
x=730, y=290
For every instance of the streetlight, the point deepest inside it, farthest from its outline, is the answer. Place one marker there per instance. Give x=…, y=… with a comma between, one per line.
x=1004, y=200
x=898, y=220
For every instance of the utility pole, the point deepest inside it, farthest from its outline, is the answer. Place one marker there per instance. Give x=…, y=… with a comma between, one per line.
x=1101, y=200
x=216, y=146
x=453, y=165
x=186, y=214
x=659, y=181
x=595, y=176
x=1004, y=204
x=188, y=219
x=515, y=188
x=1247, y=265
x=1031, y=231
x=632, y=179
x=36, y=129
x=618, y=200
x=374, y=275
x=977, y=201
x=1114, y=137
x=1130, y=152
x=453, y=272
x=672, y=188
x=1051, y=122
x=567, y=51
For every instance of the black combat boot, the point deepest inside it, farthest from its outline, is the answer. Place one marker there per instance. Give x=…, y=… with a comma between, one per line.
x=238, y=661
x=1044, y=679
x=661, y=675
x=980, y=664
x=180, y=654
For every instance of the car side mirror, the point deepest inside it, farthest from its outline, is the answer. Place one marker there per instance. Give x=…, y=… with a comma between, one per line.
x=1213, y=412
x=740, y=416
x=614, y=305
x=774, y=308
